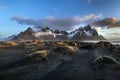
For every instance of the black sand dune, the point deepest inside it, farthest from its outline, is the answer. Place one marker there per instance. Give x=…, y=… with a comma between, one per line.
x=60, y=60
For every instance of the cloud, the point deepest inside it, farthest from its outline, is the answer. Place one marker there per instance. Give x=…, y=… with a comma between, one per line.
x=107, y=22
x=99, y=29
x=64, y=23
x=3, y=7
x=114, y=36
x=22, y=20
x=88, y=18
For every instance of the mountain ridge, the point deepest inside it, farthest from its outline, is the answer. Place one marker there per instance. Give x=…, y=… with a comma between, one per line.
x=82, y=33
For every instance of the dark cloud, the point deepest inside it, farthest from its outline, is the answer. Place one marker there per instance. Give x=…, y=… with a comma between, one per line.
x=107, y=22
x=22, y=20
x=64, y=23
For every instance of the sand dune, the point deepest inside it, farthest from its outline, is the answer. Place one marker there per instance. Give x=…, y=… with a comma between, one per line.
x=59, y=60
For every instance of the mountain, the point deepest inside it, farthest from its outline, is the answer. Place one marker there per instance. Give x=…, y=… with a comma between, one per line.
x=10, y=37
x=85, y=33
x=40, y=33
x=37, y=32
x=44, y=34
x=26, y=35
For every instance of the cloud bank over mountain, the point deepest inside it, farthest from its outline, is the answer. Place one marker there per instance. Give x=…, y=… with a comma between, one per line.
x=63, y=23
x=102, y=25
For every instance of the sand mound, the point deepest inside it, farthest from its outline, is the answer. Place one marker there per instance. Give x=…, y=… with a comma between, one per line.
x=66, y=49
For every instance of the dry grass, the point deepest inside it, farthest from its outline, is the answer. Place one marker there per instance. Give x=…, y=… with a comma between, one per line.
x=10, y=43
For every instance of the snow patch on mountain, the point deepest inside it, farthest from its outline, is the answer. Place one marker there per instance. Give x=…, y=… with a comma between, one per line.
x=47, y=32
x=38, y=34
x=72, y=34
x=88, y=33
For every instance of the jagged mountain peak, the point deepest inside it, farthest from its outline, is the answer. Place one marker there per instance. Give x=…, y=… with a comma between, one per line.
x=39, y=29
x=46, y=29
x=85, y=33
x=83, y=30
x=87, y=28
x=37, y=32
x=29, y=30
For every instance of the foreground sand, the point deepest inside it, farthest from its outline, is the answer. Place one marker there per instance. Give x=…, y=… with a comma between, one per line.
x=59, y=60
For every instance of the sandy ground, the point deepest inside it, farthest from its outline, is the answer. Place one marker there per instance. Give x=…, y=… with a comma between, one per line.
x=61, y=60
x=10, y=55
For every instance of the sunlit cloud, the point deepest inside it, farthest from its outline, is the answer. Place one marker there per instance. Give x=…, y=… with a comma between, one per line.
x=112, y=33
x=99, y=29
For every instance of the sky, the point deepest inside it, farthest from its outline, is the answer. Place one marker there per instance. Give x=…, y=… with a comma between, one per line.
x=18, y=15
